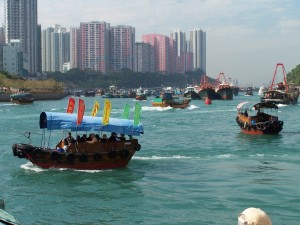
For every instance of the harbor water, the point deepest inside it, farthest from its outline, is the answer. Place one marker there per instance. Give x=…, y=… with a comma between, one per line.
x=195, y=167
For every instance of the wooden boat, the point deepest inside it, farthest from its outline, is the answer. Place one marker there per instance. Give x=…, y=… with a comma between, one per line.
x=282, y=92
x=21, y=98
x=82, y=155
x=224, y=90
x=168, y=100
x=258, y=118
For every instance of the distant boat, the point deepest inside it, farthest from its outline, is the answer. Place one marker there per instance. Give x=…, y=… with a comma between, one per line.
x=206, y=89
x=89, y=93
x=261, y=90
x=282, y=92
x=168, y=100
x=21, y=98
x=191, y=93
x=249, y=91
x=223, y=88
x=141, y=94
x=234, y=86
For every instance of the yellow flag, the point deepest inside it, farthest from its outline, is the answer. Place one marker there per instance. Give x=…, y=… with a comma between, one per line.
x=106, y=112
x=95, y=108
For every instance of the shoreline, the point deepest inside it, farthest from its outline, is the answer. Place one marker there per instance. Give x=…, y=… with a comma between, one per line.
x=38, y=96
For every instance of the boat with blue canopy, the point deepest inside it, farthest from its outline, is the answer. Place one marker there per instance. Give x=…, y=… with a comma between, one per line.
x=258, y=118
x=81, y=154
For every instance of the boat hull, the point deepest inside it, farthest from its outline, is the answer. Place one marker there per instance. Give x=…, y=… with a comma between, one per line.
x=177, y=105
x=141, y=97
x=235, y=91
x=266, y=127
x=22, y=101
x=225, y=93
x=80, y=156
x=191, y=95
x=208, y=93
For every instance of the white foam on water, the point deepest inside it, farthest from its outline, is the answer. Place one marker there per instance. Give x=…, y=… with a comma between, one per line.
x=162, y=157
x=31, y=167
x=149, y=108
x=193, y=107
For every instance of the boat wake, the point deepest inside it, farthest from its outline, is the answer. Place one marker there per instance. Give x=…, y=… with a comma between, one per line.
x=193, y=107
x=149, y=108
x=162, y=157
x=281, y=105
x=29, y=166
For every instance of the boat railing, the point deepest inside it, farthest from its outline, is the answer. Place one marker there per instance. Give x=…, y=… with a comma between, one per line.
x=100, y=147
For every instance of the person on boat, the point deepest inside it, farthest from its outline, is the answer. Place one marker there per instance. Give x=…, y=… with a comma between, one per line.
x=83, y=138
x=93, y=139
x=78, y=138
x=254, y=216
x=130, y=137
x=104, y=138
x=113, y=137
x=69, y=139
x=121, y=138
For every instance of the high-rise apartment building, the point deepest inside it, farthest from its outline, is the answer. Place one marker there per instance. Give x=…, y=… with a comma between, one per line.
x=181, y=50
x=121, y=48
x=164, y=52
x=198, y=48
x=55, y=48
x=144, y=58
x=21, y=23
x=75, y=45
x=94, y=46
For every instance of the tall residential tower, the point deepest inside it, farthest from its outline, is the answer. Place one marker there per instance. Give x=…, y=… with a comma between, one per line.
x=198, y=48
x=21, y=23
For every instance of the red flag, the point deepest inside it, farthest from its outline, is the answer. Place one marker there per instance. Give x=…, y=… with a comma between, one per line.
x=81, y=108
x=71, y=105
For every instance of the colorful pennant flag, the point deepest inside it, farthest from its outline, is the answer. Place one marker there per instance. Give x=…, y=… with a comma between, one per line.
x=71, y=105
x=81, y=108
x=106, y=112
x=137, y=114
x=95, y=108
x=126, y=111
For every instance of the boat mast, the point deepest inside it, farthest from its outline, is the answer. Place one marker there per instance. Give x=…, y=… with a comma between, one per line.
x=284, y=76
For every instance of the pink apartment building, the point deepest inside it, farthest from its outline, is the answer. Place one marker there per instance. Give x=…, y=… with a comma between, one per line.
x=94, y=46
x=121, y=48
x=164, y=52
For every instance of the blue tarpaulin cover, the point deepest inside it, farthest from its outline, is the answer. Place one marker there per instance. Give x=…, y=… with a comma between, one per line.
x=58, y=121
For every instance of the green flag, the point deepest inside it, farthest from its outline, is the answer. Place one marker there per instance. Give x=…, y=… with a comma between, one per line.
x=126, y=111
x=137, y=114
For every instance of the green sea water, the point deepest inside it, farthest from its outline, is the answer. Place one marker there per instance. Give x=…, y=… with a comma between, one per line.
x=194, y=167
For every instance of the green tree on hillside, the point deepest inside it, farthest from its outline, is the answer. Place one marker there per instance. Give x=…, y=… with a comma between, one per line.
x=294, y=76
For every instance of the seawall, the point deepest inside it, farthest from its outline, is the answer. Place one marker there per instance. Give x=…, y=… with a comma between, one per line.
x=38, y=96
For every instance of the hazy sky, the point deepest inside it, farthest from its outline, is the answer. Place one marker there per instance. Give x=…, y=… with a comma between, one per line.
x=244, y=38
